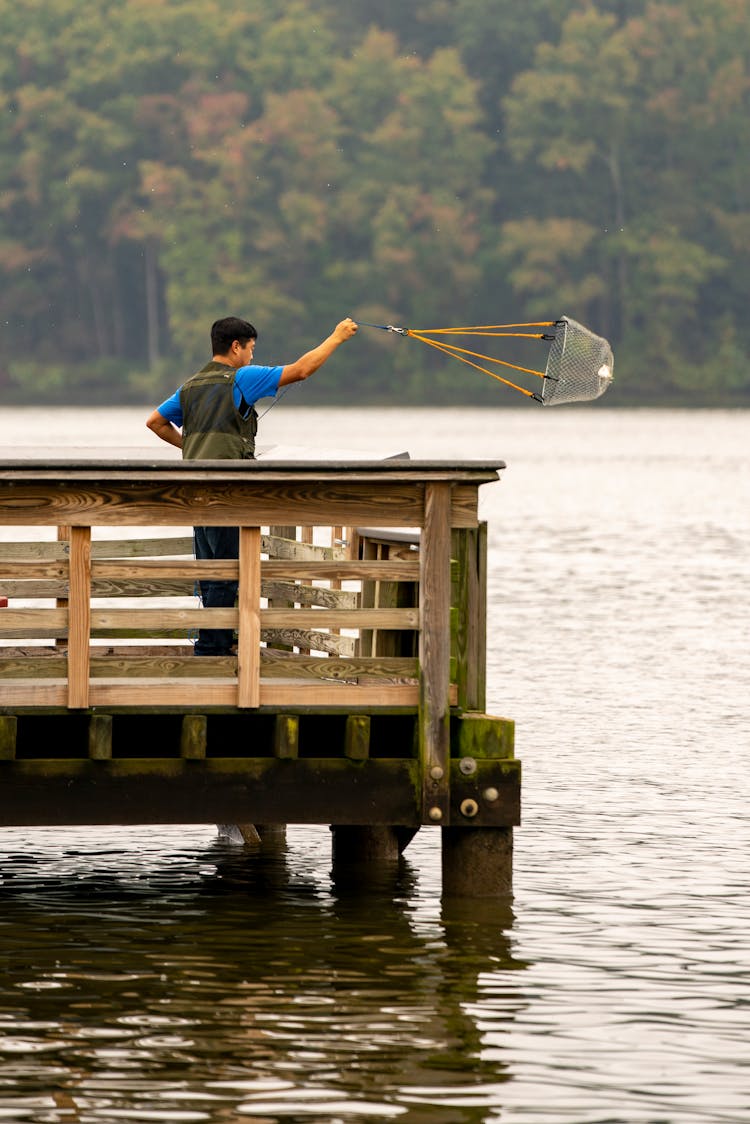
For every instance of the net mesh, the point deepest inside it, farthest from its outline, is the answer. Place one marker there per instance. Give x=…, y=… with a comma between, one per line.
x=579, y=367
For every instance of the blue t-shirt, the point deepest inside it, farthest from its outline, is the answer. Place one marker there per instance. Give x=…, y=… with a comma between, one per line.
x=250, y=383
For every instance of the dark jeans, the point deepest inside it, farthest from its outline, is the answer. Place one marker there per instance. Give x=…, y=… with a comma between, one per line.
x=216, y=542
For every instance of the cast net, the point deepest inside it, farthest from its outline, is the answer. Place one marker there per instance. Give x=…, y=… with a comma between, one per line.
x=579, y=365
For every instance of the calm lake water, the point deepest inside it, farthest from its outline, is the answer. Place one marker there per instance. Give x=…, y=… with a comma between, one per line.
x=162, y=974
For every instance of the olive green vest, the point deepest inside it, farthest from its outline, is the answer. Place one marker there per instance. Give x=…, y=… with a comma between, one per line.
x=212, y=426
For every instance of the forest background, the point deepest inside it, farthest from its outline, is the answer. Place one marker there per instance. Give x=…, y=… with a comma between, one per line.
x=424, y=163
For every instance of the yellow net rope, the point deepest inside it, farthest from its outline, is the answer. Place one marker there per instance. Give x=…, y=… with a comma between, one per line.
x=579, y=366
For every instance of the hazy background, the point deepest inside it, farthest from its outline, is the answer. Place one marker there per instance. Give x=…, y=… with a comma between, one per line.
x=425, y=164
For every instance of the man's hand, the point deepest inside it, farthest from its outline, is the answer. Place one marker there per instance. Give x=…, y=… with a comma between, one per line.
x=345, y=329
x=164, y=429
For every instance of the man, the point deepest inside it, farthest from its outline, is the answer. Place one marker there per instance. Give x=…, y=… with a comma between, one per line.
x=212, y=417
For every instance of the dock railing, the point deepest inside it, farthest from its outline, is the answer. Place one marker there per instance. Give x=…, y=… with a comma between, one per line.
x=388, y=614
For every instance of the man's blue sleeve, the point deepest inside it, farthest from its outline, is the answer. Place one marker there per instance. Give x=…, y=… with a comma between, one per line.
x=252, y=383
x=171, y=409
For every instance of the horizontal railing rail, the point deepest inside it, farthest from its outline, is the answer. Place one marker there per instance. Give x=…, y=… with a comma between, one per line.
x=125, y=578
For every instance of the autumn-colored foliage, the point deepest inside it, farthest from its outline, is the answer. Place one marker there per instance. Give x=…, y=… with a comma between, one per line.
x=166, y=162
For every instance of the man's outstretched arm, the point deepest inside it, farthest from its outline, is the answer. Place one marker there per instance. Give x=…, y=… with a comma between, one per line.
x=308, y=363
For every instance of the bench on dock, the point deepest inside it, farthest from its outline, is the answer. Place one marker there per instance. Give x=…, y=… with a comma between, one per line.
x=357, y=694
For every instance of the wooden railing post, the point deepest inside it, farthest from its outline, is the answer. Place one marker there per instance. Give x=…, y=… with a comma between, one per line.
x=469, y=549
x=434, y=653
x=79, y=617
x=248, y=636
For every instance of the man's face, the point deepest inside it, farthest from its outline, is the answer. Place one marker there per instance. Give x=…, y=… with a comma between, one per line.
x=245, y=353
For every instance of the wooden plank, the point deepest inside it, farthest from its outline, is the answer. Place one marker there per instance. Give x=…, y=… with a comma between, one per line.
x=35, y=623
x=258, y=472
x=33, y=551
x=230, y=502
x=224, y=790
x=289, y=665
x=308, y=595
x=310, y=640
x=44, y=623
x=110, y=502
x=38, y=590
x=434, y=655
x=159, y=618
x=47, y=553
x=353, y=569
x=303, y=638
x=135, y=585
x=34, y=589
x=145, y=546
x=289, y=549
x=274, y=664
x=39, y=623
x=340, y=618
x=248, y=642
x=199, y=692
x=193, y=568
x=53, y=570
x=228, y=569
x=79, y=617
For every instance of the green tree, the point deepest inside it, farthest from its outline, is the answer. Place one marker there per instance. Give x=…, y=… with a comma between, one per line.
x=362, y=196
x=625, y=120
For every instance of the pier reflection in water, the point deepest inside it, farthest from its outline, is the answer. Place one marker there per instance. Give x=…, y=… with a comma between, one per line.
x=158, y=971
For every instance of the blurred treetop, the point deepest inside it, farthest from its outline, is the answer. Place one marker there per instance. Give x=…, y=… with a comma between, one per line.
x=431, y=163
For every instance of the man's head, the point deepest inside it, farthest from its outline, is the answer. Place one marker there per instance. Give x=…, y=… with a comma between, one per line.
x=228, y=331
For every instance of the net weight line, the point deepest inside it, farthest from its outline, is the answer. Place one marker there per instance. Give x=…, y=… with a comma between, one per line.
x=579, y=366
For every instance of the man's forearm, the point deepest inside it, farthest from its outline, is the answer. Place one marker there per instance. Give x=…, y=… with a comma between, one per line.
x=164, y=429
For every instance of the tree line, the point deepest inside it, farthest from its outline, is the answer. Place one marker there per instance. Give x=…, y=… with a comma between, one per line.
x=422, y=164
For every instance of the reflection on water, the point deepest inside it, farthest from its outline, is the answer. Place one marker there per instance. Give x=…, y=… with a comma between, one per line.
x=197, y=979
x=156, y=974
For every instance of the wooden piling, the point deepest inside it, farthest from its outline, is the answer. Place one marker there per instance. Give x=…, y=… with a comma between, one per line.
x=477, y=862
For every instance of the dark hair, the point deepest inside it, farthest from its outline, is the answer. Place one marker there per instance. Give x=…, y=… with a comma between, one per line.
x=225, y=332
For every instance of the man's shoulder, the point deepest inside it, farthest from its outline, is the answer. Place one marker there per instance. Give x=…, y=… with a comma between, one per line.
x=256, y=373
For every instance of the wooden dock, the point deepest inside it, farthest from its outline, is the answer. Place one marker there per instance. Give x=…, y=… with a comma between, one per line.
x=357, y=696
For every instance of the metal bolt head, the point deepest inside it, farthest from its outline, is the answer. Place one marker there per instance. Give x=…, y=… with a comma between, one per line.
x=491, y=795
x=467, y=765
x=436, y=773
x=435, y=815
x=469, y=808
